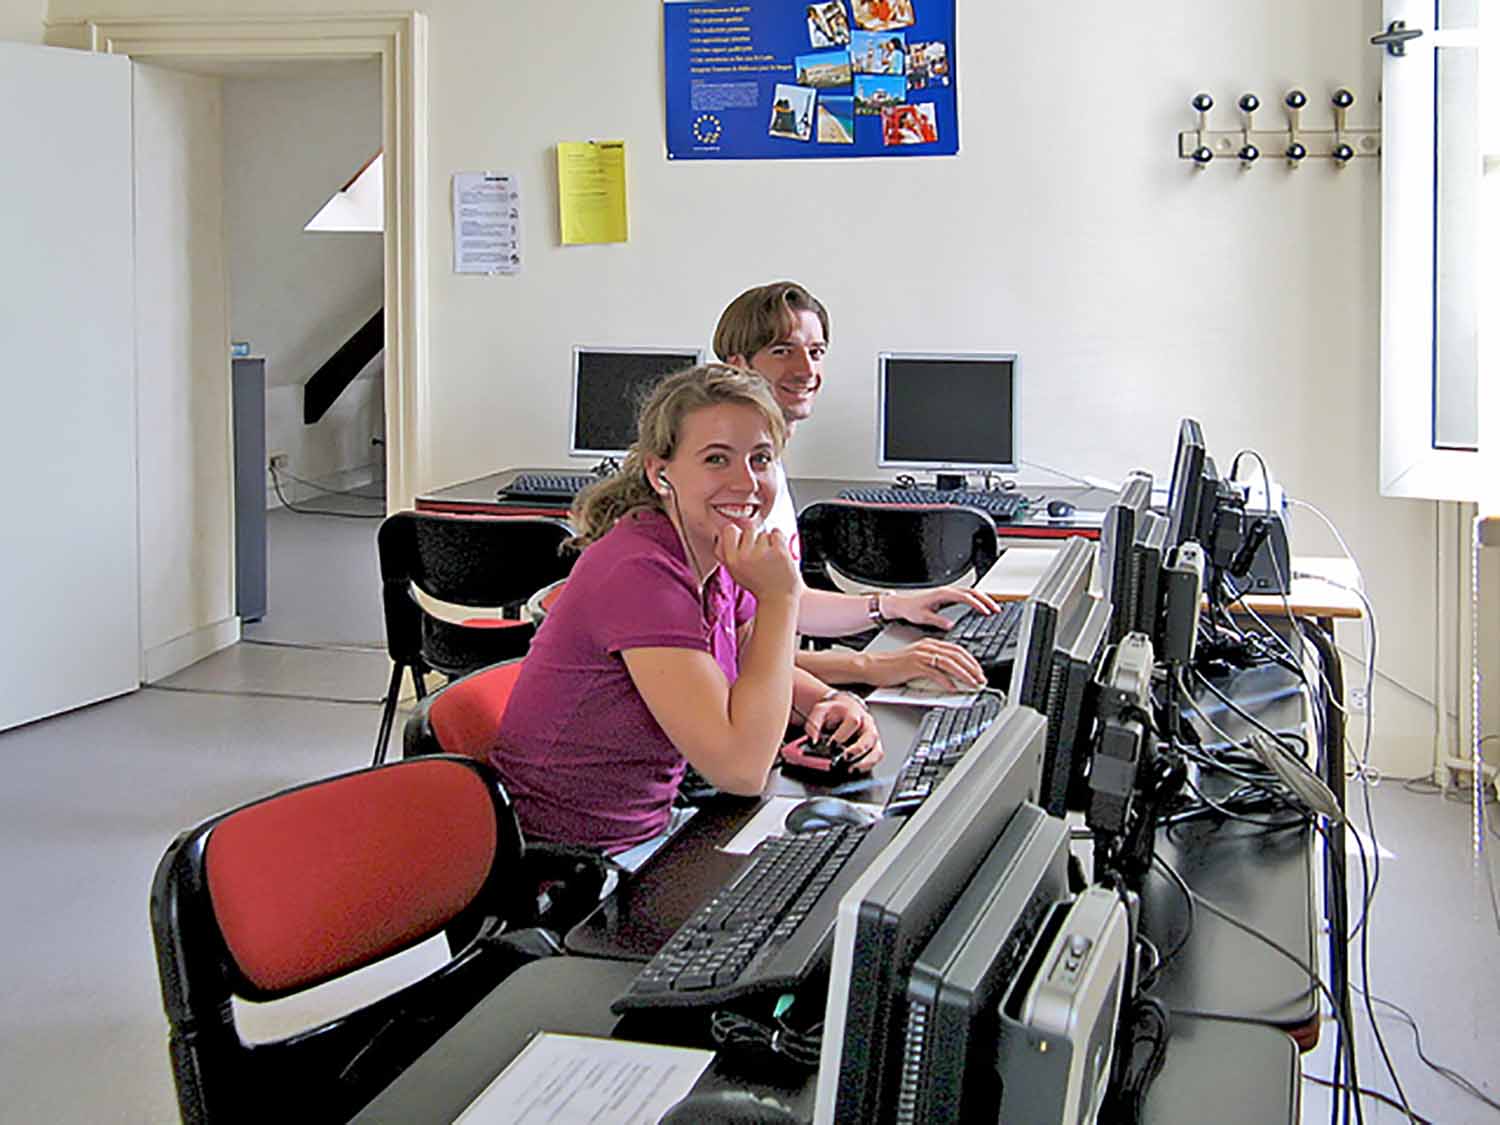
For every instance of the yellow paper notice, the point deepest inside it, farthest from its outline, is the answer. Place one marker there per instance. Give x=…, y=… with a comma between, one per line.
x=591, y=191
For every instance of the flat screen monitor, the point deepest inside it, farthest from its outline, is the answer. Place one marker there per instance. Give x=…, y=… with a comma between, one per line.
x=948, y=412
x=896, y=906
x=1185, y=497
x=609, y=387
x=1150, y=555
x=1115, y=574
x=1063, y=585
x=953, y=994
x=1077, y=652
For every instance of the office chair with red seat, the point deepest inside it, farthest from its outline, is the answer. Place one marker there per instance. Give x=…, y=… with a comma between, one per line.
x=463, y=716
x=471, y=561
x=288, y=892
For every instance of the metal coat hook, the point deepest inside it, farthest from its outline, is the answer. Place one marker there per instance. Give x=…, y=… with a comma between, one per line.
x=1343, y=151
x=1202, y=154
x=1249, y=152
x=1342, y=144
x=1296, y=151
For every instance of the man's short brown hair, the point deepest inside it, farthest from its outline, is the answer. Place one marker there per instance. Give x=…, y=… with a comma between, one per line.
x=759, y=317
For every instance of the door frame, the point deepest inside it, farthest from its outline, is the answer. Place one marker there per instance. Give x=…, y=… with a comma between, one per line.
x=400, y=42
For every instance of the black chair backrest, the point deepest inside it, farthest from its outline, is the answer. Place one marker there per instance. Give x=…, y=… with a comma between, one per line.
x=284, y=893
x=480, y=561
x=894, y=545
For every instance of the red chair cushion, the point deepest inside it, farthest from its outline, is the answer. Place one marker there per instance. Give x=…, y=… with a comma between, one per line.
x=493, y=622
x=465, y=715
x=322, y=880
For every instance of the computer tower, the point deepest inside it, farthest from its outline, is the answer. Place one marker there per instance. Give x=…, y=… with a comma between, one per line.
x=1058, y=1021
x=960, y=975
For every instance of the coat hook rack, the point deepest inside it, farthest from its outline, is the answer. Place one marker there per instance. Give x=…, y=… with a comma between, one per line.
x=1294, y=144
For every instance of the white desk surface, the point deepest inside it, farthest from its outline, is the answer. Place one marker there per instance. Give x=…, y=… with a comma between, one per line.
x=1016, y=572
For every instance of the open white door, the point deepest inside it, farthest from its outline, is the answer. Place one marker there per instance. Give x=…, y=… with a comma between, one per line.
x=69, y=613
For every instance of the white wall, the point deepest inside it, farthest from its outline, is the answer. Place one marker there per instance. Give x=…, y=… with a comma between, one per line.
x=21, y=20
x=182, y=359
x=1066, y=229
x=289, y=143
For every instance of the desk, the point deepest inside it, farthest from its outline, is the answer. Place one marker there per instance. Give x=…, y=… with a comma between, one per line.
x=1267, y=878
x=1247, y=1073
x=1321, y=594
x=635, y=921
x=1210, y=1063
x=480, y=497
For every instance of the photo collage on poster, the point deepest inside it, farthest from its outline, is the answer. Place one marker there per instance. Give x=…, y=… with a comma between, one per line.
x=873, y=66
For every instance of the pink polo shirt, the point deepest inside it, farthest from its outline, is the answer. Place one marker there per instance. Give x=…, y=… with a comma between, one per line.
x=581, y=755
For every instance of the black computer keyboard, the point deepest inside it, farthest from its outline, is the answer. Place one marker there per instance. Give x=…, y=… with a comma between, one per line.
x=989, y=637
x=943, y=738
x=547, y=486
x=1001, y=506
x=766, y=932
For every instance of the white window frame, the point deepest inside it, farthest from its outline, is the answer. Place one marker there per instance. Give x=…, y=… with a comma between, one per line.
x=1412, y=464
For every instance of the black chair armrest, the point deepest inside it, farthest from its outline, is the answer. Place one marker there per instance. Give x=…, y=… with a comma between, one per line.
x=569, y=879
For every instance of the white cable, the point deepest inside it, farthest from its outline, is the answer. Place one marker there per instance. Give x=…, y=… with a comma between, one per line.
x=1059, y=473
x=1343, y=546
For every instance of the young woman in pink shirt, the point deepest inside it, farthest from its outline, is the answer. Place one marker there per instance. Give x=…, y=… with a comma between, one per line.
x=673, y=640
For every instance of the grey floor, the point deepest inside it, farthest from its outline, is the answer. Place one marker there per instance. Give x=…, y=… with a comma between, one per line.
x=92, y=798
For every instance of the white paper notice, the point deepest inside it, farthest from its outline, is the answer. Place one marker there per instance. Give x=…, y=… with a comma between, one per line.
x=918, y=693
x=578, y=1080
x=486, y=223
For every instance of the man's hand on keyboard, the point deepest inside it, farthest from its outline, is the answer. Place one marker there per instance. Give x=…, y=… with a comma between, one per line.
x=949, y=666
x=843, y=718
x=920, y=607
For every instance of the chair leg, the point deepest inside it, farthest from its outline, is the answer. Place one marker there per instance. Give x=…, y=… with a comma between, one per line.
x=388, y=714
x=419, y=682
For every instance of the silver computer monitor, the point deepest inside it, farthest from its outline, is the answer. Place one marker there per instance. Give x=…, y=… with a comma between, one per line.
x=609, y=387
x=1063, y=585
x=896, y=905
x=950, y=412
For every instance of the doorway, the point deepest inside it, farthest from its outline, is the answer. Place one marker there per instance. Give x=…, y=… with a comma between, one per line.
x=399, y=43
x=395, y=48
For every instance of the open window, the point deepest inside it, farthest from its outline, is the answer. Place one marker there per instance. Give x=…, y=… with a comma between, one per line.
x=1441, y=203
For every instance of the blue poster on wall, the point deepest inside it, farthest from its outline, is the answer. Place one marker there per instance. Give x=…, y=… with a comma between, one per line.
x=783, y=80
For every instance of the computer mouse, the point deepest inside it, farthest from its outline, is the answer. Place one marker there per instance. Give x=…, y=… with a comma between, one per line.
x=721, y=1107
x=822, y=758
x=1060, y=509
x=826, y=812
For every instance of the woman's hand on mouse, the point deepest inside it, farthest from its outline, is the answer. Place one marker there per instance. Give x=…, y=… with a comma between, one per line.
x=843, y=718
x=760, y=561
x=950, y=666
x=920, y=606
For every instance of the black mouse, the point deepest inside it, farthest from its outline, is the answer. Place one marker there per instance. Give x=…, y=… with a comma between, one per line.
x=721, y=1107
x=1060, y=509
x=826, y=812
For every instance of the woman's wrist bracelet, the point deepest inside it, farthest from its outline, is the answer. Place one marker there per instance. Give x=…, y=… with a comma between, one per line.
x=874, y=611
x=833, y=693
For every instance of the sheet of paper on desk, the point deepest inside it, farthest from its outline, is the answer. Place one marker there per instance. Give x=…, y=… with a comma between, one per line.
x=579, y=1080
x=769, y=820
x=1016, y=572
x=914, y=695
